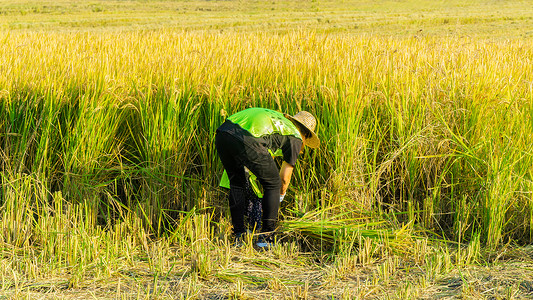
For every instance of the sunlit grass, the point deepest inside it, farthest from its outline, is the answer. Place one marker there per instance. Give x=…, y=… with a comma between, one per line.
x=109, y=172
x=487, y=19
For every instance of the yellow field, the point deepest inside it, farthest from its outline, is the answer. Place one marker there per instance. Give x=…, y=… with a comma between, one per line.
x=486, y=19
x=422, y=187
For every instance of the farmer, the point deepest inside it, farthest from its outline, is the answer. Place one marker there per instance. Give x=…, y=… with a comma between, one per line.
x=247, y=139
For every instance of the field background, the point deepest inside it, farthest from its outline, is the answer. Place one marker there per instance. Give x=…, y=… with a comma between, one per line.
x=489, y=19
x=422, y=187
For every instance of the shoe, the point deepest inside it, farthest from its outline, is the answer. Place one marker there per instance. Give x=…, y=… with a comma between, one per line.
x=264, y=242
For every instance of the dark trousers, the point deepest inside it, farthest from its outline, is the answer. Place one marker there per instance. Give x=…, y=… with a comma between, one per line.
x=235, y=154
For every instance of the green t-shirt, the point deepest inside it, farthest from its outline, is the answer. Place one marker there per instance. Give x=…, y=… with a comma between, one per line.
x=261, y=121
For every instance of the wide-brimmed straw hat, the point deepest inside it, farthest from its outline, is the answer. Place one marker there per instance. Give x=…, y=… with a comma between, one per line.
x=306, y=123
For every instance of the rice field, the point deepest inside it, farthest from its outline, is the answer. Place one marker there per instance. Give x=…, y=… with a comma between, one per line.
x=422, y=187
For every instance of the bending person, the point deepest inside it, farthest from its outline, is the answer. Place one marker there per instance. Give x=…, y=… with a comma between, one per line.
x=247, y=139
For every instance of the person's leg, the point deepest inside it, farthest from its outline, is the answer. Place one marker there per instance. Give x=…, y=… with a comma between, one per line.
x=270, y=209
x=254, y=210
x=261, y=163
x=230, y=150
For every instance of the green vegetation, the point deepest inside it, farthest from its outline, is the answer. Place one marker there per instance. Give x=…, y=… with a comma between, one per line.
x=422, y=187
x=488, y=19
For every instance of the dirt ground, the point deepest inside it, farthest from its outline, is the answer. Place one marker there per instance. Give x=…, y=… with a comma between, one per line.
x=509, y=276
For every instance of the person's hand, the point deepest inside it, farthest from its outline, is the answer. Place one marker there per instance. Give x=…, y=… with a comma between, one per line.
x=281, y=198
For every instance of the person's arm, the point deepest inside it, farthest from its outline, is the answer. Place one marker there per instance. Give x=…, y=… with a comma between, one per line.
x=285, y=174
x=290, y=148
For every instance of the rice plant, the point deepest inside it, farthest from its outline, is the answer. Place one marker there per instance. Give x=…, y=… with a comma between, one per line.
x=107, y=148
